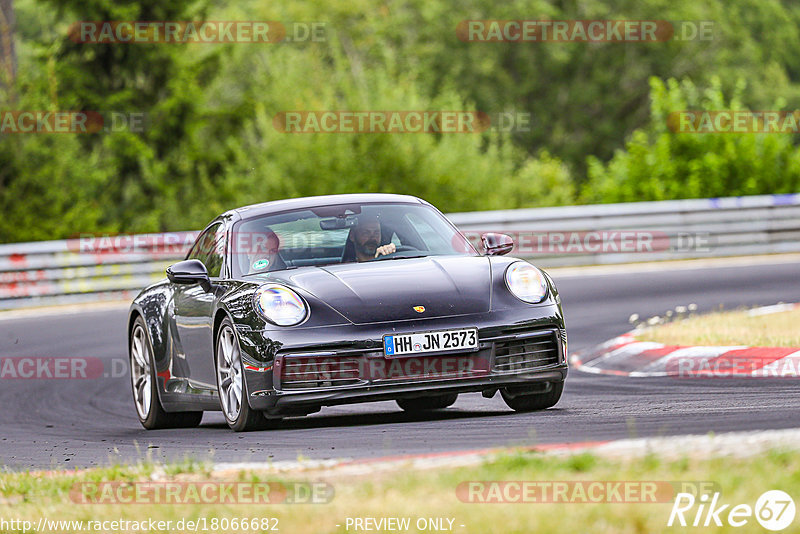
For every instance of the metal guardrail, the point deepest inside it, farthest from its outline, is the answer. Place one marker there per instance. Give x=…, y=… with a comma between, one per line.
x=52, y=272
x=86, y=269
x=679, y=229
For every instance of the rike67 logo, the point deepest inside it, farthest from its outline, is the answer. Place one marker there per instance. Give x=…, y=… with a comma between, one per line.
x=774, y=510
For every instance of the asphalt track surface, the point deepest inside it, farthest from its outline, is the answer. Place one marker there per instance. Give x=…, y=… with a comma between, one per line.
x=74, y=423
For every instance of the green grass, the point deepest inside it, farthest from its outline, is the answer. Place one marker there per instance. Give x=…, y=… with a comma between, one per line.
x=729, y=328
x=425, y=493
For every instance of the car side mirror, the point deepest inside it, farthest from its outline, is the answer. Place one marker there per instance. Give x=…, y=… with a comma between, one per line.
x=497, y=244
x=189, y=272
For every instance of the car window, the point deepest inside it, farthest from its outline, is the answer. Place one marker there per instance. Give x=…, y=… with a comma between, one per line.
x=341, y=234
x=306, y=233
x=210, y=249
x=433, y=240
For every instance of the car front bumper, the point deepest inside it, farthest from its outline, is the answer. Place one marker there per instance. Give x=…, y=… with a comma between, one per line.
x=302, y=402
x=500, y=361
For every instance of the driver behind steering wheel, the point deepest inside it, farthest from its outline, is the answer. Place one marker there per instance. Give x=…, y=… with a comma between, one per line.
x=366, y=239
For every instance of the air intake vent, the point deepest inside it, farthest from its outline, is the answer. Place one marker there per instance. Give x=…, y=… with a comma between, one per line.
x=303, y=372
x=526, y=352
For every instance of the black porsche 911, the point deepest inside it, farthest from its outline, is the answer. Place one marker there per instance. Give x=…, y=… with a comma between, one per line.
x=284, y=307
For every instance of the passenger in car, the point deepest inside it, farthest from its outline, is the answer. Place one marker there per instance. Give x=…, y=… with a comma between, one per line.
x=264, y=254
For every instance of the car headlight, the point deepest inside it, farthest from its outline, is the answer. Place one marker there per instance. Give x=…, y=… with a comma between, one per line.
x=280, y=305
x=526, y=282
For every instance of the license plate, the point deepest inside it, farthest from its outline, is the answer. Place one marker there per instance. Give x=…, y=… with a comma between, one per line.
x=425, y=342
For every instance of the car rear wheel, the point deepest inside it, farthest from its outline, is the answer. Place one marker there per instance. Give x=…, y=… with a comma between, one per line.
x=144, y=386
x=231, y=385
x=534, y=401
x=421, y=404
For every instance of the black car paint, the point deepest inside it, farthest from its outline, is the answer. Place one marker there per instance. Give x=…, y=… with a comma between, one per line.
x=358, y=308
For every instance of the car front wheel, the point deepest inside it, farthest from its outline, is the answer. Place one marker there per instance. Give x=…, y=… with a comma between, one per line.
x=144, y=384
x=231, y=384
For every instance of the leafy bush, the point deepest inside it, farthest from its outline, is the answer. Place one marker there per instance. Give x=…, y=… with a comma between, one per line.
x=658, y=164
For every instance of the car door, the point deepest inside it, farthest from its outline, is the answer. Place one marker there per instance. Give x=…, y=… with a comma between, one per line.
x=193, y=307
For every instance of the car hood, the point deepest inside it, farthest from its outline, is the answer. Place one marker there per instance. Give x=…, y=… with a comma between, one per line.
x=389, y=290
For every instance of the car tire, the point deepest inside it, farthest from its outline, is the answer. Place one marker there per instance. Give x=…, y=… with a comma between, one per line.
x=231, y=385
x=534, y=401
x=423, y=404
x=144, y=385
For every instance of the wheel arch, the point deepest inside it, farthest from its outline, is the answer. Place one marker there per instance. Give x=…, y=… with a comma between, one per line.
x=132, y=316
x=153, y=306
x=135, y=314
x=220, y=315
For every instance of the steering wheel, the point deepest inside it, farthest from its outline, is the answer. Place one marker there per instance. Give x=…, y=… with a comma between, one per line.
x=401, y=248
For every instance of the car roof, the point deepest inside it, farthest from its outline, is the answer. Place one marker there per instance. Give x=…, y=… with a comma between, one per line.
x=255, y=210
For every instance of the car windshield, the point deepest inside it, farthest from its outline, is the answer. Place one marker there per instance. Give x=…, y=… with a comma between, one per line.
x=343, y=234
